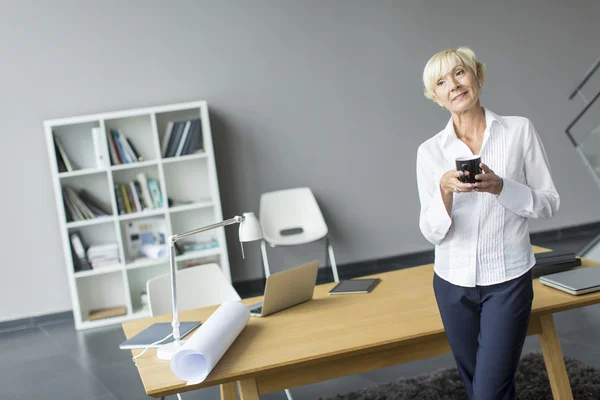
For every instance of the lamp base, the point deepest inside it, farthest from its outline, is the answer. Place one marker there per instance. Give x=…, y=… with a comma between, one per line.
x=166, y=351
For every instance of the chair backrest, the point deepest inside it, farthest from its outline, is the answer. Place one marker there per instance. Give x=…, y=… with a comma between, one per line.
x=291, y=216
x=200, y=286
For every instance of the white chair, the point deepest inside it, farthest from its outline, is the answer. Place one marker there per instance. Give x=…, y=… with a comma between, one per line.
x=201, y=286
x=197, y=287
x=292, y=217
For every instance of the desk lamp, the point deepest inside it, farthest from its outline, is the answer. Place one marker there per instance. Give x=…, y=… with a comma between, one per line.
x=249, y=231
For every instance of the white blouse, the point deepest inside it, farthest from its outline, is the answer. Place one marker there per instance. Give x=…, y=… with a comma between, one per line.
x=485, y=240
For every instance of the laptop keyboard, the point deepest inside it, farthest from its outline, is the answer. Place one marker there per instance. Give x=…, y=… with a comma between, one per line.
x=257, y=310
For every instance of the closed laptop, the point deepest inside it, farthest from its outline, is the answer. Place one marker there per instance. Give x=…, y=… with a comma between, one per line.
x=576, y=281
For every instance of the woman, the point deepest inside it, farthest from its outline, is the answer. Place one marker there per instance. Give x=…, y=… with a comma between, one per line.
x=483, y=257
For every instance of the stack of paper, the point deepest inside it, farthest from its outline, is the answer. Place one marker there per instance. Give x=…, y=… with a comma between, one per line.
x=102, y=255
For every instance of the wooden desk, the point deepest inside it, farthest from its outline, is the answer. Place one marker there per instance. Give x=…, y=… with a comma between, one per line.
x=334, y=336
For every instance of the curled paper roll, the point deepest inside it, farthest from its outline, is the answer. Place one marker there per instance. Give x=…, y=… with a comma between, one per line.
x=203, y=350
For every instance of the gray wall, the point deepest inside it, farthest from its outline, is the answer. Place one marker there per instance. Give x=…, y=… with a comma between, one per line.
x=326, y=94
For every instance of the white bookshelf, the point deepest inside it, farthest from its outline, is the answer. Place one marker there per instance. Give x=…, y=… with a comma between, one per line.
x=192, y=178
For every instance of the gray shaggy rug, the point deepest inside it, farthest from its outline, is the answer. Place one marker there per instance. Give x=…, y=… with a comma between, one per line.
x=532, y=384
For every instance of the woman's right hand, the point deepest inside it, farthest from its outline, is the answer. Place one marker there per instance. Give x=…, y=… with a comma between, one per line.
x=450, y=182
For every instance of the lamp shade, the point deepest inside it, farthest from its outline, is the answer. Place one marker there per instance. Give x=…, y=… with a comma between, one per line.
x=250, y=229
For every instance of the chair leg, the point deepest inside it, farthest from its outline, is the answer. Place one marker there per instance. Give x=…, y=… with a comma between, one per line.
x=288, y=394
x=265, y=260
x=326, y=251
x=336, y=277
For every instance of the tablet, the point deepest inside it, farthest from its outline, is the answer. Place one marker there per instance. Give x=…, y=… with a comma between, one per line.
x=156, y=332
x=355, y=286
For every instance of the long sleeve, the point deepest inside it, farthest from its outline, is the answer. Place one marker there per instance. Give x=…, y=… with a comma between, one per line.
x=434, y=220
x=537, y=198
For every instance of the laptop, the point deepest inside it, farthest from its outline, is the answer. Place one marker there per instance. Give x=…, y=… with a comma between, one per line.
x=286, y=289
x=575, y=281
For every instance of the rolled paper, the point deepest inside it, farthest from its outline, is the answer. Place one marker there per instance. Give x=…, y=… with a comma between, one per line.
x=203, y=350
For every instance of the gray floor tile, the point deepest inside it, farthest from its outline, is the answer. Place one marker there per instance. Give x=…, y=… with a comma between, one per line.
x=584, y=353
x=19, y=375
x=572, y=346
x=25, y=345
x=211, y=393
x=329, y=388
x=122, y=380
x=76, y=386
x=91, y=348
x=589, y=337
x=580, y=318
x=106, y=396
x=532, y=343
x=274, y=396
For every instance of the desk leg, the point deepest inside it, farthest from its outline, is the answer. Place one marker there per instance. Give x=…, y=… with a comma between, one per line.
x=553, y=357
x=248, y=389
x=228, y=391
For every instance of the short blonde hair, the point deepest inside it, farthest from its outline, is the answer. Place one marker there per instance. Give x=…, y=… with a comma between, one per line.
x=444, y=61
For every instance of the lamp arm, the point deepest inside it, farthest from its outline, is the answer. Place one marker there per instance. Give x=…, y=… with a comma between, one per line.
x=172, y=240
x=236, y=219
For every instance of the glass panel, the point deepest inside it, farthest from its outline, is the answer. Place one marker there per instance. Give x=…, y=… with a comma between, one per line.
x=589, y=122
x=590, y=148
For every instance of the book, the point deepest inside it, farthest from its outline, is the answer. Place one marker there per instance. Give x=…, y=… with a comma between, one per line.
x=136, y=153
x=175, y=138
x=554, y=256
x=194, y=139
x=135, y=197
x=143, y=181
x=545, y=269
x=98, y=139
x=81, y=206
x=124, y=158
x=63, y=154
x=155, y=193
x=166, y=138
x=120, y=200
x=59, y=160
x=94, y=205
x=186, y=131
x=125, y=198
x=72, y=213
x=133, y=157
x=115, y=158
x=78, y=247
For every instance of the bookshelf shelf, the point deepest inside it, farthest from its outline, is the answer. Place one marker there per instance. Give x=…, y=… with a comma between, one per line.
x=114, y=156
x=82, y=172
x=196, y=156
x=139, y=164
x=146, y=262
x=142, y=214
x=88, y=222
x=198, y=254
x=99, y=271
x=194, y=206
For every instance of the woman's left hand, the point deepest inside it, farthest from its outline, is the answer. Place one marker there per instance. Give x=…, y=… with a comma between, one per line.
x=488, y=181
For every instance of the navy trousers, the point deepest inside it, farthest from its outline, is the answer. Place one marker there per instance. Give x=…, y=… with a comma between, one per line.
x=486, y=327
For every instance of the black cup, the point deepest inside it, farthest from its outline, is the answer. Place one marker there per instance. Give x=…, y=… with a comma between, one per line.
x=470, y=164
